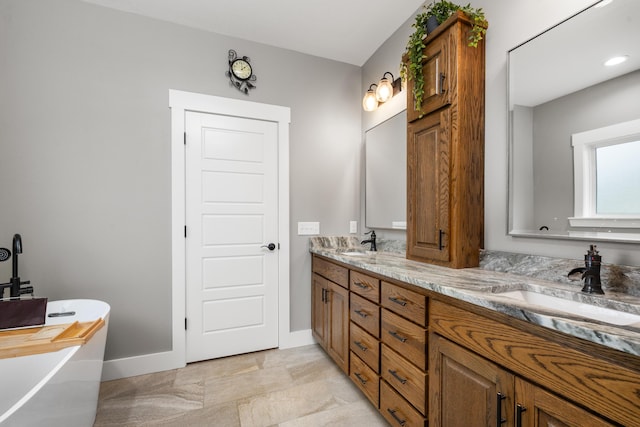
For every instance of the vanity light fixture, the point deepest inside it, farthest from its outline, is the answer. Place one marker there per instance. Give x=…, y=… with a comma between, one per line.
x=370, y=102
x=616, y=60
x=385, y=90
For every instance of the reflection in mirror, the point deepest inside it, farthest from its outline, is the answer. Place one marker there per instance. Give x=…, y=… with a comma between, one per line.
x=558, y=87
x=386, y=174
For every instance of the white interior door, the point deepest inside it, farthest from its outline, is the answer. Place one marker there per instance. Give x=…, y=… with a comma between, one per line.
x=232, y=217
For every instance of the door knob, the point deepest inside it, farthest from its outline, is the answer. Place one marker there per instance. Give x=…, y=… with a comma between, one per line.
x=270, y=246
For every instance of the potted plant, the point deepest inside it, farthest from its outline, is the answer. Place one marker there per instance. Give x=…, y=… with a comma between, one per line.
x=433, y=15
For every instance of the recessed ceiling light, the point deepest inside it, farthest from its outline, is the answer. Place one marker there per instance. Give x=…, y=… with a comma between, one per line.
x=616, y=60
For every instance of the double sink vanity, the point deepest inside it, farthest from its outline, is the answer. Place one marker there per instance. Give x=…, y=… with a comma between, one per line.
x=430, y=345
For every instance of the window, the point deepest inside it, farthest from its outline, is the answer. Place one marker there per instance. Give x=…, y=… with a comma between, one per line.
x=606, y=177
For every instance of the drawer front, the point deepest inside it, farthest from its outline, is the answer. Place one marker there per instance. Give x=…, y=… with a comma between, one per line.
x=366, y=314
x=406, y=378
x=406, y=338
x=331, y=271
x=408, y=304
x=366, y=346
x=396, y=410
x=366, y=380
x=365, y=286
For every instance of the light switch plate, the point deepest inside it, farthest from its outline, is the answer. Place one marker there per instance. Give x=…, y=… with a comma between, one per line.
x=353, y=227
x=308, y=228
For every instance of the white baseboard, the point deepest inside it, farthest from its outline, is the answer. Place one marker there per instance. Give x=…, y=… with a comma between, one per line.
x=157, y=362
x=139, y=365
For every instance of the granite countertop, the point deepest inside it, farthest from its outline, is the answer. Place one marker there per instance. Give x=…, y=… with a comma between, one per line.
x=482, y=287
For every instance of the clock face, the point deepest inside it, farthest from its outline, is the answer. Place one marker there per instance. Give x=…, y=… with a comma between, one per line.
x=241, y=69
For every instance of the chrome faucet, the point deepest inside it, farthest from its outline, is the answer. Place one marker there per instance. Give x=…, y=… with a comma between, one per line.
x=591, y=272
x=371, y=240
x=15, y=284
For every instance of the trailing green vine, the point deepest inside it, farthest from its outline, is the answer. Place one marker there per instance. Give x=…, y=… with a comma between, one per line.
x=441, y=10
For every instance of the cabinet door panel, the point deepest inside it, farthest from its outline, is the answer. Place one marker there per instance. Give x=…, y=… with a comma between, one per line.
x=366, y=286
x=338, y=335
x=366, y=346
x=463, y=387
x=396, y=410
x=405, y=377
x=366, y=380
x=318, y=309
x=428, y=149
x=406, y=303
x=543, y=409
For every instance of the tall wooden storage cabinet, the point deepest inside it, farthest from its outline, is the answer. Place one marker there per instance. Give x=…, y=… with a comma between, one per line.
x=445, y=151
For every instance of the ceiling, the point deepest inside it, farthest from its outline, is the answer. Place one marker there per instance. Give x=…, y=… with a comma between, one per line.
x=343, y=30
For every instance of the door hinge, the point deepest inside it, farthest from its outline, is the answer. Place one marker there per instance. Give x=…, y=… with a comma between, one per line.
x=185, y=138
x=185, y=323
x=185, y=231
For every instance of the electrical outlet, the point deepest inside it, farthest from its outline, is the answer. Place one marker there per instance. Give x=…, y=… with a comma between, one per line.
x=353, y=227
x=308, y=228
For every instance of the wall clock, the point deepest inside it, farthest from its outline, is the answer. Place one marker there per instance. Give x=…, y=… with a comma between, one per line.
x=240, y=72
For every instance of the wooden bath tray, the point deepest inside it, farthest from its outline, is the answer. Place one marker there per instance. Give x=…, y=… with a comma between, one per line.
x=44, y=339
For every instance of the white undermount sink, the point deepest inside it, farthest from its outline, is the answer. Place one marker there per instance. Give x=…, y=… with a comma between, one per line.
x=602, y=314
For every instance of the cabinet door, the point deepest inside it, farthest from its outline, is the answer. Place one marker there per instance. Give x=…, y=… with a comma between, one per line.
x=338, y=335
x=318, y=309
x=435, y=69
x=536, y=407
x=428, y=150
x=466, y=390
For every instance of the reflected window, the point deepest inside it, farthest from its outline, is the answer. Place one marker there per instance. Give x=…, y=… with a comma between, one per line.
x=618, y=179
x=607, y=177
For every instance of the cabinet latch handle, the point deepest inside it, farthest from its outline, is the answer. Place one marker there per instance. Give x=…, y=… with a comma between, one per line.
x=395, y=417
x=360, y=346
x=398, y=377
x=360, y=285
x=442, y=77
x=500, y=420
x=396, y=336
x=398, y=301
x=362, y=380
x=360, y=313
x=440, y=240
x=519, y=410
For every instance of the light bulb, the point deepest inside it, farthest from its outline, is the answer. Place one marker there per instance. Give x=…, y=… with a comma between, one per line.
x=384, y=91
x=369, y=102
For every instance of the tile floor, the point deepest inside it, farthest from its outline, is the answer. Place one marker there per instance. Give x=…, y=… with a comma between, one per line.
x=288, y=388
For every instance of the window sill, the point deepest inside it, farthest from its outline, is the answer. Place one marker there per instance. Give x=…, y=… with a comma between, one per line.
x=605, y=222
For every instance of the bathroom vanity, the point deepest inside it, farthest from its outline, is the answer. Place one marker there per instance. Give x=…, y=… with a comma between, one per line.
x=430, y=345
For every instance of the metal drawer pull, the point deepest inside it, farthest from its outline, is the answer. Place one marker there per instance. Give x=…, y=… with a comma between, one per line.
x=360, y=346
x=398, y=301
x=398, y=337
x=362, y=380
x=398, y=377
x=519, y=410
x=501, y=420
x=360, y=285
x=360, y=313
x=395, y=417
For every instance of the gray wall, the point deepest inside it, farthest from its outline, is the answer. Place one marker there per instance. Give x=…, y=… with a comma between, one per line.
x=615, y=101
x=85, y=153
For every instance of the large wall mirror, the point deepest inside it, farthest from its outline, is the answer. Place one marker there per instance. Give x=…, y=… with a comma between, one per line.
x=386, y=174
x=574, y=128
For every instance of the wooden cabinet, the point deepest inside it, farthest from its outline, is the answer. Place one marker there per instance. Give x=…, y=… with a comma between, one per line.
x=496, y=371
x=445, y=152
x=330, y=311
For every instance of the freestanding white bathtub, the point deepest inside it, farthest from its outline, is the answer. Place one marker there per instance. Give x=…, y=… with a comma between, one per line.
x=58, y=388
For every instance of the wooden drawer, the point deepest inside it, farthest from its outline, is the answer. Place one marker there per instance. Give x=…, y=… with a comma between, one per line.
x=331, y=271
x=406, y=303
x=396, y=410
x=366, y=314
x=365, y=286
x=406, y=378
x=405, y=337
x=365, y=346
x=366, y=380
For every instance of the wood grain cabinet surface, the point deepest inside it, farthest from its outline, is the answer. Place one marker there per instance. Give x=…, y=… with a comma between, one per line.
x=445, y=151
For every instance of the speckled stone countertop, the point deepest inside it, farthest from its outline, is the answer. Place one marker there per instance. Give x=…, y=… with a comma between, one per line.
x=482, y=286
